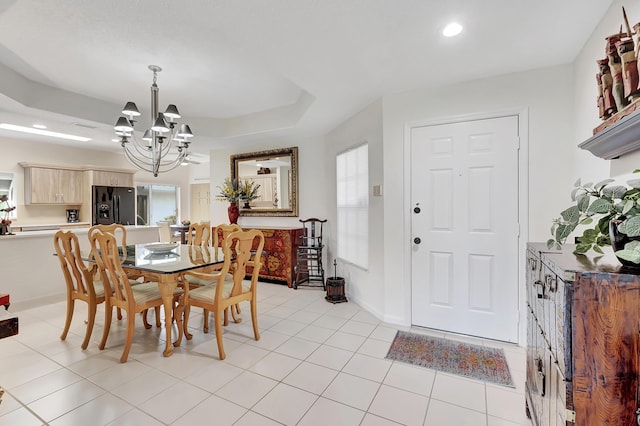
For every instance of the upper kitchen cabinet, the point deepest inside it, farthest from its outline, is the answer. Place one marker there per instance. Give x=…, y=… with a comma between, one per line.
x=52, y=185
x=111, y=178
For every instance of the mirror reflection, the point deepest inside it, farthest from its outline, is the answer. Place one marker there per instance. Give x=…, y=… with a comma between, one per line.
x=276, y=173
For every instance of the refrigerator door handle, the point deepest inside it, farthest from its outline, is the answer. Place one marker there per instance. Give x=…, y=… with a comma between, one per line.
x=117, y=210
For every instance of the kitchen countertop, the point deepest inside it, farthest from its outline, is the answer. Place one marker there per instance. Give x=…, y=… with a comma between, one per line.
x=50, y=226
x=74, y=227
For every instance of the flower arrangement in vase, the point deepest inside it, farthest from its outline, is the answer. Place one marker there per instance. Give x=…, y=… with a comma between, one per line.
x=249, y=192
x=230, y=192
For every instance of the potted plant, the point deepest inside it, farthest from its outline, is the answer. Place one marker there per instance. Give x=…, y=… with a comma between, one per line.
x=230, y=192
x=249, y=192
x=611, y=214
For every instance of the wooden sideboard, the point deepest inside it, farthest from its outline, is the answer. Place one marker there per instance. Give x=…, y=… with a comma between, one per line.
x=279, y=253
x=582, y=339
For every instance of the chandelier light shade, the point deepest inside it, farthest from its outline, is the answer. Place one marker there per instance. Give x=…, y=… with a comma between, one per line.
x=153, y=152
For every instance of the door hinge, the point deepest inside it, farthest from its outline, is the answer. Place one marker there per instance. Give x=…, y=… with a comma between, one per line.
x=571, y=416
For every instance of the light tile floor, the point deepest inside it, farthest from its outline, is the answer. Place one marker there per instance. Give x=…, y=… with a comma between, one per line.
x=315, y=364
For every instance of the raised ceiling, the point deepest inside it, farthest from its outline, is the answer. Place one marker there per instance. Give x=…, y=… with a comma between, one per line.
x=241, y=69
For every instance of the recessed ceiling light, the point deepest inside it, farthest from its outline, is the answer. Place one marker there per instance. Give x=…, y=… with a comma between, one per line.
x=115, y=140
x=31, y=130
x=39, y=126
x=451, y=30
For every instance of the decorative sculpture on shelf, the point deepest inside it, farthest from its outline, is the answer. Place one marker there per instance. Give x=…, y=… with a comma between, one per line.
x=618, y=77
x=626, y=51
x=600, y=97
x=615, y=66
x=606, y=86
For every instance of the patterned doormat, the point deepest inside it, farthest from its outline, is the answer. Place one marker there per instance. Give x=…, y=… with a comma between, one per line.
x=463, y=359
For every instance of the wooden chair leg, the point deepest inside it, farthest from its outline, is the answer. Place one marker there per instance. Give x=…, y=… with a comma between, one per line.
x=144, y=319
x=119, y=314
x=205, y=319
x=67, y=321
x=226, y=316
x=205, y=326
x=157, y=316
x=178, y=314
x=108, y=313
x=91, y=319
x=187, y=312
x=127, y=343
x=218, y=325
x=234, y=309
x=254, y=319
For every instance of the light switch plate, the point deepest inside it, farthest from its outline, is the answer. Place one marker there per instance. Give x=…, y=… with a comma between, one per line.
x=377, y=190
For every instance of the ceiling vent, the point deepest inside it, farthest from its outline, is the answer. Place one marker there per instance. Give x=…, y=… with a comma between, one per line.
x=86, y=126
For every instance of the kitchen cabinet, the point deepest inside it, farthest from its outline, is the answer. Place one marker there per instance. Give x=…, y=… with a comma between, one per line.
x=44, y=185
x=111, y=178
x=200, y=202
x=583, y=317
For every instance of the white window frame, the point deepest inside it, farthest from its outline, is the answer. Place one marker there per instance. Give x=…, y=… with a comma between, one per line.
x=352, y=202
x=151, y=213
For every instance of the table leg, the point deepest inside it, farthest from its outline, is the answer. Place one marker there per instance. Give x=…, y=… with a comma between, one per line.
x=167, y=283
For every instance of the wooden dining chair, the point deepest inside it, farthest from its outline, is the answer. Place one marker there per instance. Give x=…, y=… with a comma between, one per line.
x=79, y=280
x=120, y=234
x=221, y=232
x=118, y=231
x=122, y=293
x=225, y=290
x=199, y=234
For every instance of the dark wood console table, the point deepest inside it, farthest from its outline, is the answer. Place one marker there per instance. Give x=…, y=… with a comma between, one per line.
x=279, y=253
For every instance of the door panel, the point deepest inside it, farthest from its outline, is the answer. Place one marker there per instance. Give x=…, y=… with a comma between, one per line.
x=464, y=184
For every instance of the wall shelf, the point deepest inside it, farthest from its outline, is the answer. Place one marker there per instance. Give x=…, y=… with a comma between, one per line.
x=618, y=139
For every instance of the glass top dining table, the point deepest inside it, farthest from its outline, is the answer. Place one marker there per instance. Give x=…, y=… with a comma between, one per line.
x=163, y=263
x=170, y=258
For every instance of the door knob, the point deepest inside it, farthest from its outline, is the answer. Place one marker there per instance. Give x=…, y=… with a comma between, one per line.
x=417, y=240
x=416, y=210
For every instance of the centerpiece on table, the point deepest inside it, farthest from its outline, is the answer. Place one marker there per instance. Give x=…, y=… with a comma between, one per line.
x=230, y=192
x=249, y=192
x=611, y=214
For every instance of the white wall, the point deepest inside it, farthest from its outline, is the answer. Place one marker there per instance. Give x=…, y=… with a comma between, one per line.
x=15, y=151
x=546, y=94
x=365, y=287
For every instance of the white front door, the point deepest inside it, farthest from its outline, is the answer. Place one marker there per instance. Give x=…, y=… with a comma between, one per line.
x=464, y=201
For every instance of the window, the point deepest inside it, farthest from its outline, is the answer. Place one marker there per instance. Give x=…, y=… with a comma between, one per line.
x=157, y=202
x=352, y=177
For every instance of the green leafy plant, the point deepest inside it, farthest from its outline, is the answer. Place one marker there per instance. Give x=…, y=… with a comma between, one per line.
x=229, y=191
x=249, y=190
x=595, y=207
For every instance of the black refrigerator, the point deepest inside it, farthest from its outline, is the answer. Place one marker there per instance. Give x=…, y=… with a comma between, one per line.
x=112, y=204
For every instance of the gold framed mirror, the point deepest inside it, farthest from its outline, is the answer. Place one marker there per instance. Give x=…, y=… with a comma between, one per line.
x=276, y=171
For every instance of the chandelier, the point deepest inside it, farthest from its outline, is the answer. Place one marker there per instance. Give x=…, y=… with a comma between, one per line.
x=153, y=153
